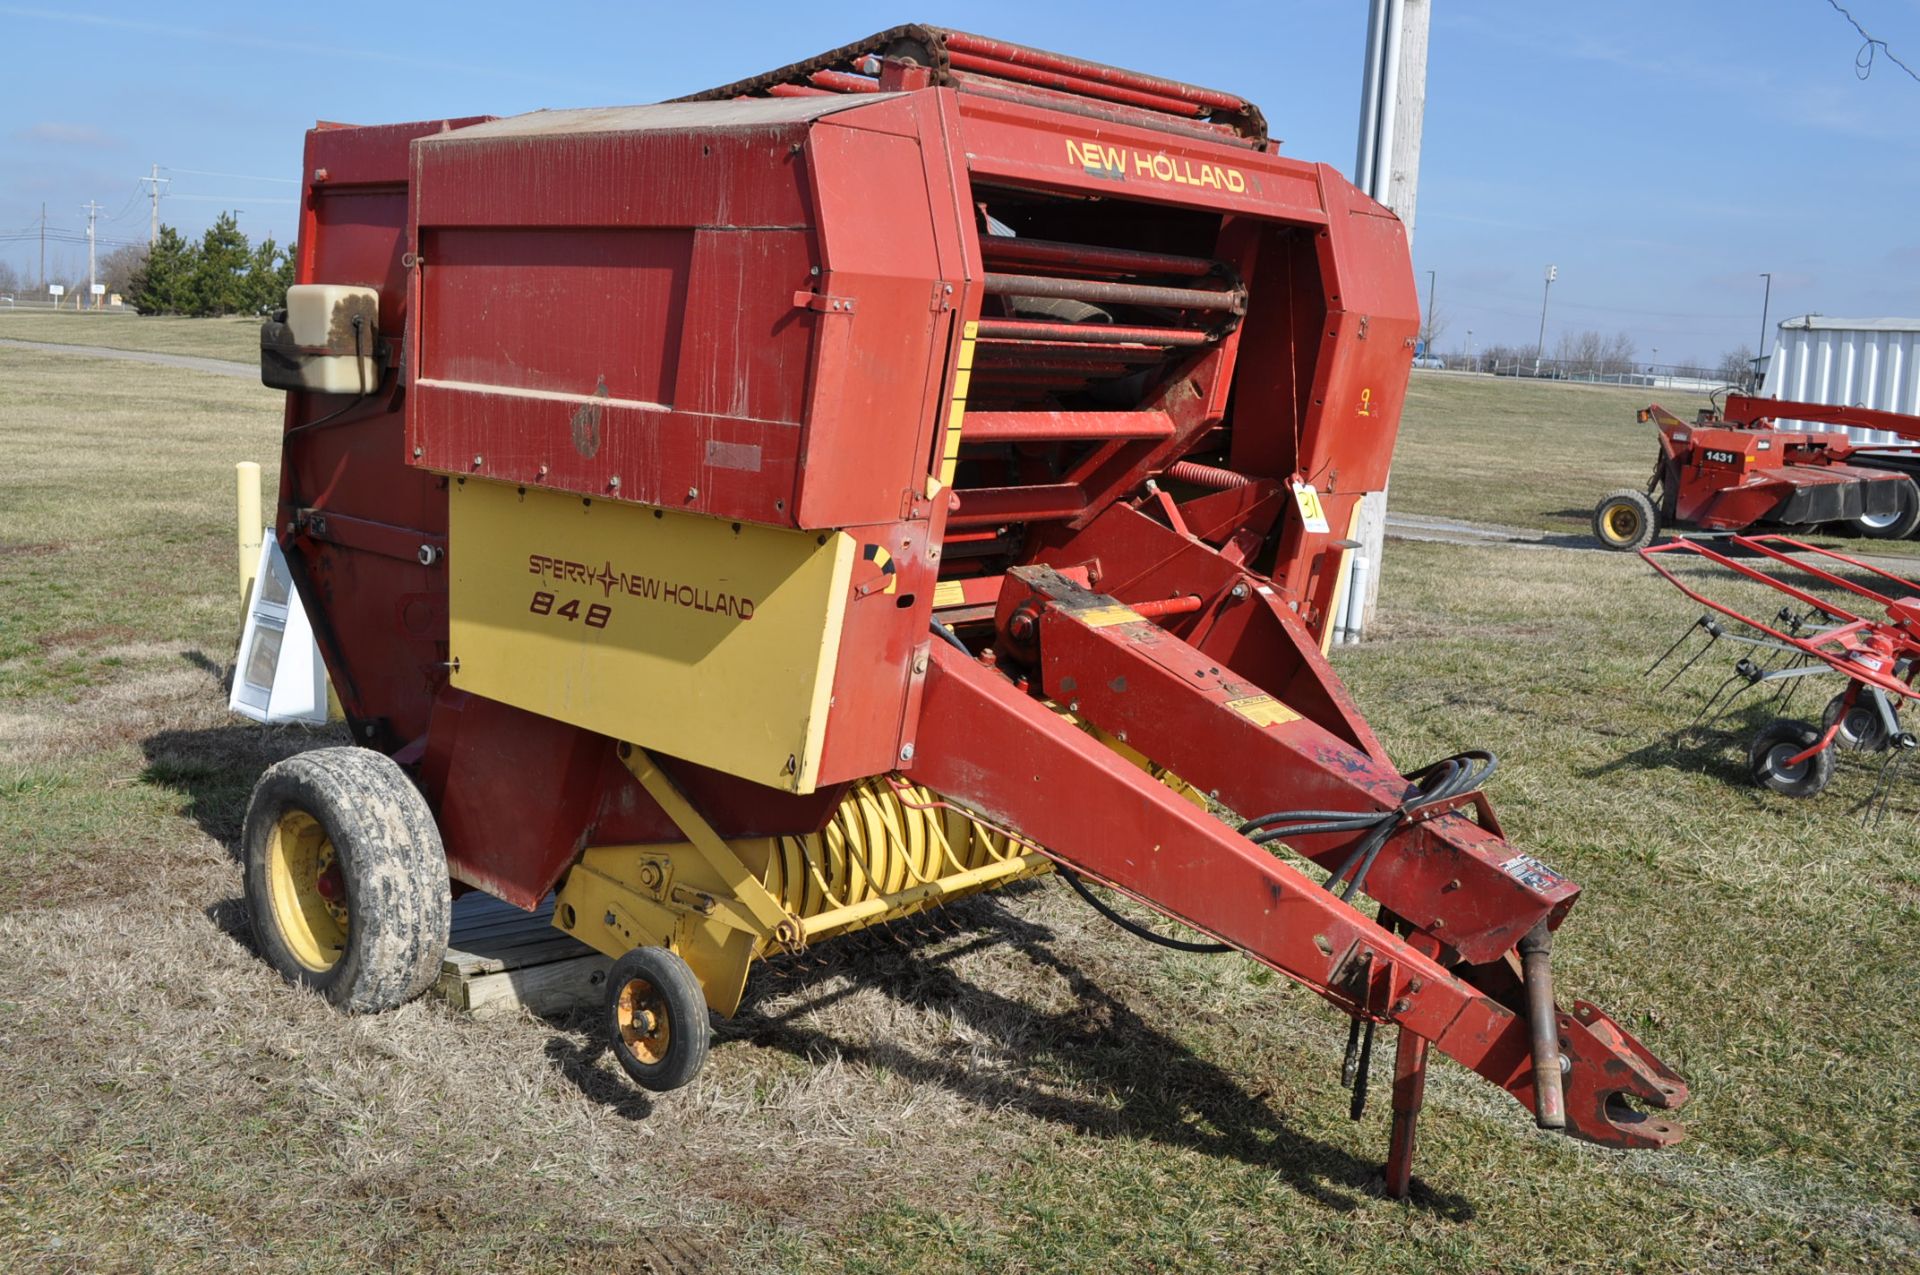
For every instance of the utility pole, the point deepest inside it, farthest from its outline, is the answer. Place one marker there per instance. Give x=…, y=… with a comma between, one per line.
x=155, y=181
x=93, y=211
x=1540, y=346
x=1765, y=301
x=1393, y=107
x=1428, y=341
x=43, y=245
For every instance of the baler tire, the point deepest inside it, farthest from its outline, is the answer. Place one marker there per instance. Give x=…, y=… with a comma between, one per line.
x=350, y=815
x=668, y=1050
x=1783, y=738
x=1900, y=526
x=1626, y=520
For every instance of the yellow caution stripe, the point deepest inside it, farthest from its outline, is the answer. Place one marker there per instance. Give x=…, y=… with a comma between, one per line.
x=957, y=411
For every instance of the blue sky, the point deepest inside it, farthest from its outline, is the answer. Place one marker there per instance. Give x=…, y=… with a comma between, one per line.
x=1661, y=155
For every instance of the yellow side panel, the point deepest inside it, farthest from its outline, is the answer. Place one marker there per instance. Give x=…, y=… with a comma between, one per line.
x=701, y=638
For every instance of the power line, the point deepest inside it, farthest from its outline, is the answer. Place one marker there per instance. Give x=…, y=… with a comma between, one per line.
x=1863, y=60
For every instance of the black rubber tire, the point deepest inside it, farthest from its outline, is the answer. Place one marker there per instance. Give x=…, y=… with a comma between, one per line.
x=1863, y=731
x=664, y=985
x=1780, y=739
x=1626, y=520
x=1900, y=526
x=398, y=904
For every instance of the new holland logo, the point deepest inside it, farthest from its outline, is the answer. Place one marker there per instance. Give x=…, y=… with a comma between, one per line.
x=1121, y=163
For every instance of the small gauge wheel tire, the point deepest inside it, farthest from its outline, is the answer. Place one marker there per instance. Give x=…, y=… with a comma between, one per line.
x=1626, y=520
x=346, y=879
x=1897, y=525
x=1861, y=730
x=1767, y=760
x=656, y=1018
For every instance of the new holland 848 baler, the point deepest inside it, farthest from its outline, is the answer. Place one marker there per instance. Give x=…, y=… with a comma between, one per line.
x=762, y=515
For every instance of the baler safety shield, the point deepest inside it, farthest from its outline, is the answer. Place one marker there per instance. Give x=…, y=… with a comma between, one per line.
x=708, y=640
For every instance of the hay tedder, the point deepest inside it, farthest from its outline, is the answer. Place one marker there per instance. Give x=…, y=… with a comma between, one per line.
x=767, y=514
x=1731, y=469
x=1812, y=634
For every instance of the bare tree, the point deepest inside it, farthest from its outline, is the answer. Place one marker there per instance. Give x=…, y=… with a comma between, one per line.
x=1736, y=365
x=10, y=283
x=1433, y=326
x=117, y=268
x=1591, y=354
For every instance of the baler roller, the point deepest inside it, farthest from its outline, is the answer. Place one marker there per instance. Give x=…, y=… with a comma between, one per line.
x=1079, y=258
x=1093, y=333
x=1055, y=427
x=1233, y=301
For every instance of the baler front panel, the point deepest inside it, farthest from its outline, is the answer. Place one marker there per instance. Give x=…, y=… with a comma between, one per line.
x=713, y=641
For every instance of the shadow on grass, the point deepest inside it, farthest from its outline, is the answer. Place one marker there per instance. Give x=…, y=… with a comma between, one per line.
x=215, y=769
x=1159, y=1090
x=578, y=1063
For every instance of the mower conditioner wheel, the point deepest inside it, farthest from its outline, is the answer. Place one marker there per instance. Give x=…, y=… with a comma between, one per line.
x=346, y=878
x=1626, y=520
x=656, y=1018
x=1780, y=740
x=1897, y=525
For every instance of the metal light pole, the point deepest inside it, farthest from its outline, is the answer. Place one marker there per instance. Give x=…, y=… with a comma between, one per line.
x=1540, y=346
x=1654, y=367
x=1473, y=364
x=1765, y=300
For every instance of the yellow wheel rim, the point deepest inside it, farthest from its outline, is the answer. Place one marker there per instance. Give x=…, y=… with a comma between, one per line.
x=1623, y=523
x=306, y=891
x=641, y=1012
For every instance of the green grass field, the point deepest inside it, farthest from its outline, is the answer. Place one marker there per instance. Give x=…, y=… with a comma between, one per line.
x=1017, y=1087
x=1522, y=453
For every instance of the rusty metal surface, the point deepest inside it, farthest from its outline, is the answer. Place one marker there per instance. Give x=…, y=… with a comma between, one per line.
x=951, y=57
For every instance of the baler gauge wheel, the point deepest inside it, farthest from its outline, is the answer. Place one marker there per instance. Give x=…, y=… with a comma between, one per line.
x=1626, y=520
x=1770, y=761
x=656, y=1018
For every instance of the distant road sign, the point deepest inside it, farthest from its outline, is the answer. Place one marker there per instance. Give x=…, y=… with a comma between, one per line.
x=99, y=289
x=57, y=289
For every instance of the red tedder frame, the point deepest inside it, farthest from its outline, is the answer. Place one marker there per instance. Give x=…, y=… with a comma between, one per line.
x=1079, y=340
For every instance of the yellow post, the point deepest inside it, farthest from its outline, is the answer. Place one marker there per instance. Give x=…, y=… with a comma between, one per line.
x=247, y=485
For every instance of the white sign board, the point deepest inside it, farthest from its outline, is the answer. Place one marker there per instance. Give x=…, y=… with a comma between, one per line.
x=56, y=289
x=278, y=676
x=98, y=289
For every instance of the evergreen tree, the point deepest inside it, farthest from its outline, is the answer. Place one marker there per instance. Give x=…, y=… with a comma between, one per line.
x=218, y=283
x=160, y=285
x=222, y=274
x=269, y=275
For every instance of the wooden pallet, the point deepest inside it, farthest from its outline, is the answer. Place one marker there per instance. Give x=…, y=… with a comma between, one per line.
x=501, y=960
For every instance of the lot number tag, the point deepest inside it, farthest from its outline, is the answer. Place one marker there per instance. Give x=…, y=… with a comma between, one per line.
x=1311, y=512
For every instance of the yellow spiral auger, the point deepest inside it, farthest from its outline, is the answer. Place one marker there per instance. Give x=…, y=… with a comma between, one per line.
x=891, y=849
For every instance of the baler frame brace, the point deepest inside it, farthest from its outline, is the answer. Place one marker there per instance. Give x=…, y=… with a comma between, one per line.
x=991, y=736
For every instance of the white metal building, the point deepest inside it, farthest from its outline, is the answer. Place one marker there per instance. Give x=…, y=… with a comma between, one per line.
x=1847, y=362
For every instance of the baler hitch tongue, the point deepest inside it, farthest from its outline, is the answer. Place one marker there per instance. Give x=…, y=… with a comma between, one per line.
x=1603, y=1086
